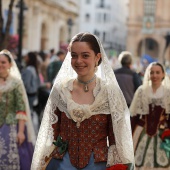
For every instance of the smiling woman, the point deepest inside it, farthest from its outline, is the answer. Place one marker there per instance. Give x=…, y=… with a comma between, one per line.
x=85, y=111
x=150, y=110
x=16, y=130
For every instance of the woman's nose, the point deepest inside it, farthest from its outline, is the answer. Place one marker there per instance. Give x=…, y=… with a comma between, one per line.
x=78, y=59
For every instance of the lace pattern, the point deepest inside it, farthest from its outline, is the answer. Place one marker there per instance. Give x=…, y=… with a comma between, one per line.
x=106, y=93
x=113, y=157
x=141, y=101
x=14, y=79
x=162, y=159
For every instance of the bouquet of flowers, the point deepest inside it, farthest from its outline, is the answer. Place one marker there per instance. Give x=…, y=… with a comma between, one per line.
x=165, y=145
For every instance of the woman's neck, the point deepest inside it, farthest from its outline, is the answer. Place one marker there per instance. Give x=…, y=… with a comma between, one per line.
x=4, y=76
x=86, y=83
x=155, y=87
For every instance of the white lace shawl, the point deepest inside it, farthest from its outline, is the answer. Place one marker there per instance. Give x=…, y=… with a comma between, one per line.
x=144, y=96
x=108, y=100
x=15, y=76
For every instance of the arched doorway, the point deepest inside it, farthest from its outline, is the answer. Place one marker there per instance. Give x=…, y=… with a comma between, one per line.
x=148, y=46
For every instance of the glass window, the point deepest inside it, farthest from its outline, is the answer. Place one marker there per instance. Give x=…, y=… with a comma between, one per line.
x=87, y=17
x=149, y=7
x=87, y=1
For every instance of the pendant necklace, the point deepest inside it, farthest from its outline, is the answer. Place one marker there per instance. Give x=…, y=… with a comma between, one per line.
x=86, y=88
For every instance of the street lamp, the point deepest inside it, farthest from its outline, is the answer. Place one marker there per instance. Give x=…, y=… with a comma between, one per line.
x=21, y=5
x=70, y=24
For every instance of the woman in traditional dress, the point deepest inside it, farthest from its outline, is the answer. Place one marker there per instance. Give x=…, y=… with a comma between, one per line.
x=16, y=130
x=85, y=108
x=150, y=109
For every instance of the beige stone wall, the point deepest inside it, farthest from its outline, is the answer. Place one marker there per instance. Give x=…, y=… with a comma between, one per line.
x=45, y=22
x=162, y=25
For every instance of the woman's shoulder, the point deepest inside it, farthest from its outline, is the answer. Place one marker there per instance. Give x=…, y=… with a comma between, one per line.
x=17, y=81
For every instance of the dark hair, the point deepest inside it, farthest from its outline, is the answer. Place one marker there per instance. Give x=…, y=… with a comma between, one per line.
x=7, y=56
x=125, y=58
x=32, y=60
x=60, y=52
x=52, y=50
x=157, y=64
x=89, y=39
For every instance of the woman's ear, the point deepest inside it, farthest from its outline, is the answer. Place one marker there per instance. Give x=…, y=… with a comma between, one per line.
x=10, y=65
x=98, y=58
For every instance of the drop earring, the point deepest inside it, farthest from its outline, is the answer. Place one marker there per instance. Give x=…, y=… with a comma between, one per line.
x=96, y=67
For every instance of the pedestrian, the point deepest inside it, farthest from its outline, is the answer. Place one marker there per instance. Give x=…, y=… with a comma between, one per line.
x=127, y=78
x=151, y=107
x=85, y=111
x=54, y=67
x=31, y=79
x=16, y=129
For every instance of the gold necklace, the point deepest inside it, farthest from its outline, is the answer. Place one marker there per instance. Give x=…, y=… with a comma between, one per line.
x=86, y=88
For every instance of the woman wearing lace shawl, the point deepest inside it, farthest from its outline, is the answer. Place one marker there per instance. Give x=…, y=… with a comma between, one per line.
x=16, y=130
x=150, y=109
x=85, y=109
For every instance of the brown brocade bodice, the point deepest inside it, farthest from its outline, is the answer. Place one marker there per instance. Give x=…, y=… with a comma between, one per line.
x=90, y=137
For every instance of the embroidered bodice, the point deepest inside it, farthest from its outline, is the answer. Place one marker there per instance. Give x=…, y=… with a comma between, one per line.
x=11, y=103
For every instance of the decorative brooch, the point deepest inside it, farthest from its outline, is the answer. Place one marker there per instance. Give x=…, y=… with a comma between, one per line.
x=79, y=115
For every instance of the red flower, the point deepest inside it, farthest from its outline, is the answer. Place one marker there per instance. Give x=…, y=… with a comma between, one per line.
x=165, y=134
x=118, y=167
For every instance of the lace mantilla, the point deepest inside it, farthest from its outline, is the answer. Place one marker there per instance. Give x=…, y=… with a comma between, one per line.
x=142, y=99
x=14, y=79
x=107, y=93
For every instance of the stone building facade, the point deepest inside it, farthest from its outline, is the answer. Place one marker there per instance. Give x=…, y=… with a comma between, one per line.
x=102, y=18
x=148, y=25
x=47, y=23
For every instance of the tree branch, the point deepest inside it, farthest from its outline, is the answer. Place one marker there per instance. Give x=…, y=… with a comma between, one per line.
x=1, y=22
x=8, y=23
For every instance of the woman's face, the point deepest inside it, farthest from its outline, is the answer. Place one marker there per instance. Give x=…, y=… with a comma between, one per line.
x=156, y=75
x=4, y=65
x=83, y=59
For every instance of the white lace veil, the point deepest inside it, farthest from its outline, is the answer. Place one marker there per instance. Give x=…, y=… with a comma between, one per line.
x=141, y=99
x=146, y=79
x=15, y=74
x=118, y=109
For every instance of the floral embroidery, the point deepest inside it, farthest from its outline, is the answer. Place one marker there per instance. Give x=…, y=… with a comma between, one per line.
x=2, y=147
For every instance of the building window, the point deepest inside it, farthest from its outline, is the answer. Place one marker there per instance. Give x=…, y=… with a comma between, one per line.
x=99, y=17
x=105, y=17
x=149, y=7
x=97, y=33
x=87, y=1
x=104, y=36
x=101, y=3
x=87, y=17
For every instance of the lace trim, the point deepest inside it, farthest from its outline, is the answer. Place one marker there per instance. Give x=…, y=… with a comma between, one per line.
x=79, y=112
x=117, y=109
x=162, y=159
x=113, y=156
x=141, y=101
x=9, y=85
x=21, y=116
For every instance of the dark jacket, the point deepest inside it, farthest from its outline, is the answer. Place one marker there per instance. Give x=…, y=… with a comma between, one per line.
x=128, y=81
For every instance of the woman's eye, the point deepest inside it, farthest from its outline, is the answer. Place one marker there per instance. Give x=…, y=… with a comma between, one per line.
x=73, y=56
x=85, y=56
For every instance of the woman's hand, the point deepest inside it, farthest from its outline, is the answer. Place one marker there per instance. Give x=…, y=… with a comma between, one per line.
x=20, y=138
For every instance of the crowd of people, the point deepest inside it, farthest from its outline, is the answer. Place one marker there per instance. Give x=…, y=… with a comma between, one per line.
x=91, y=117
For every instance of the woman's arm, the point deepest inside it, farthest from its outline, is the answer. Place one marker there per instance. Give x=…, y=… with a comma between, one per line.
x=21, y=135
